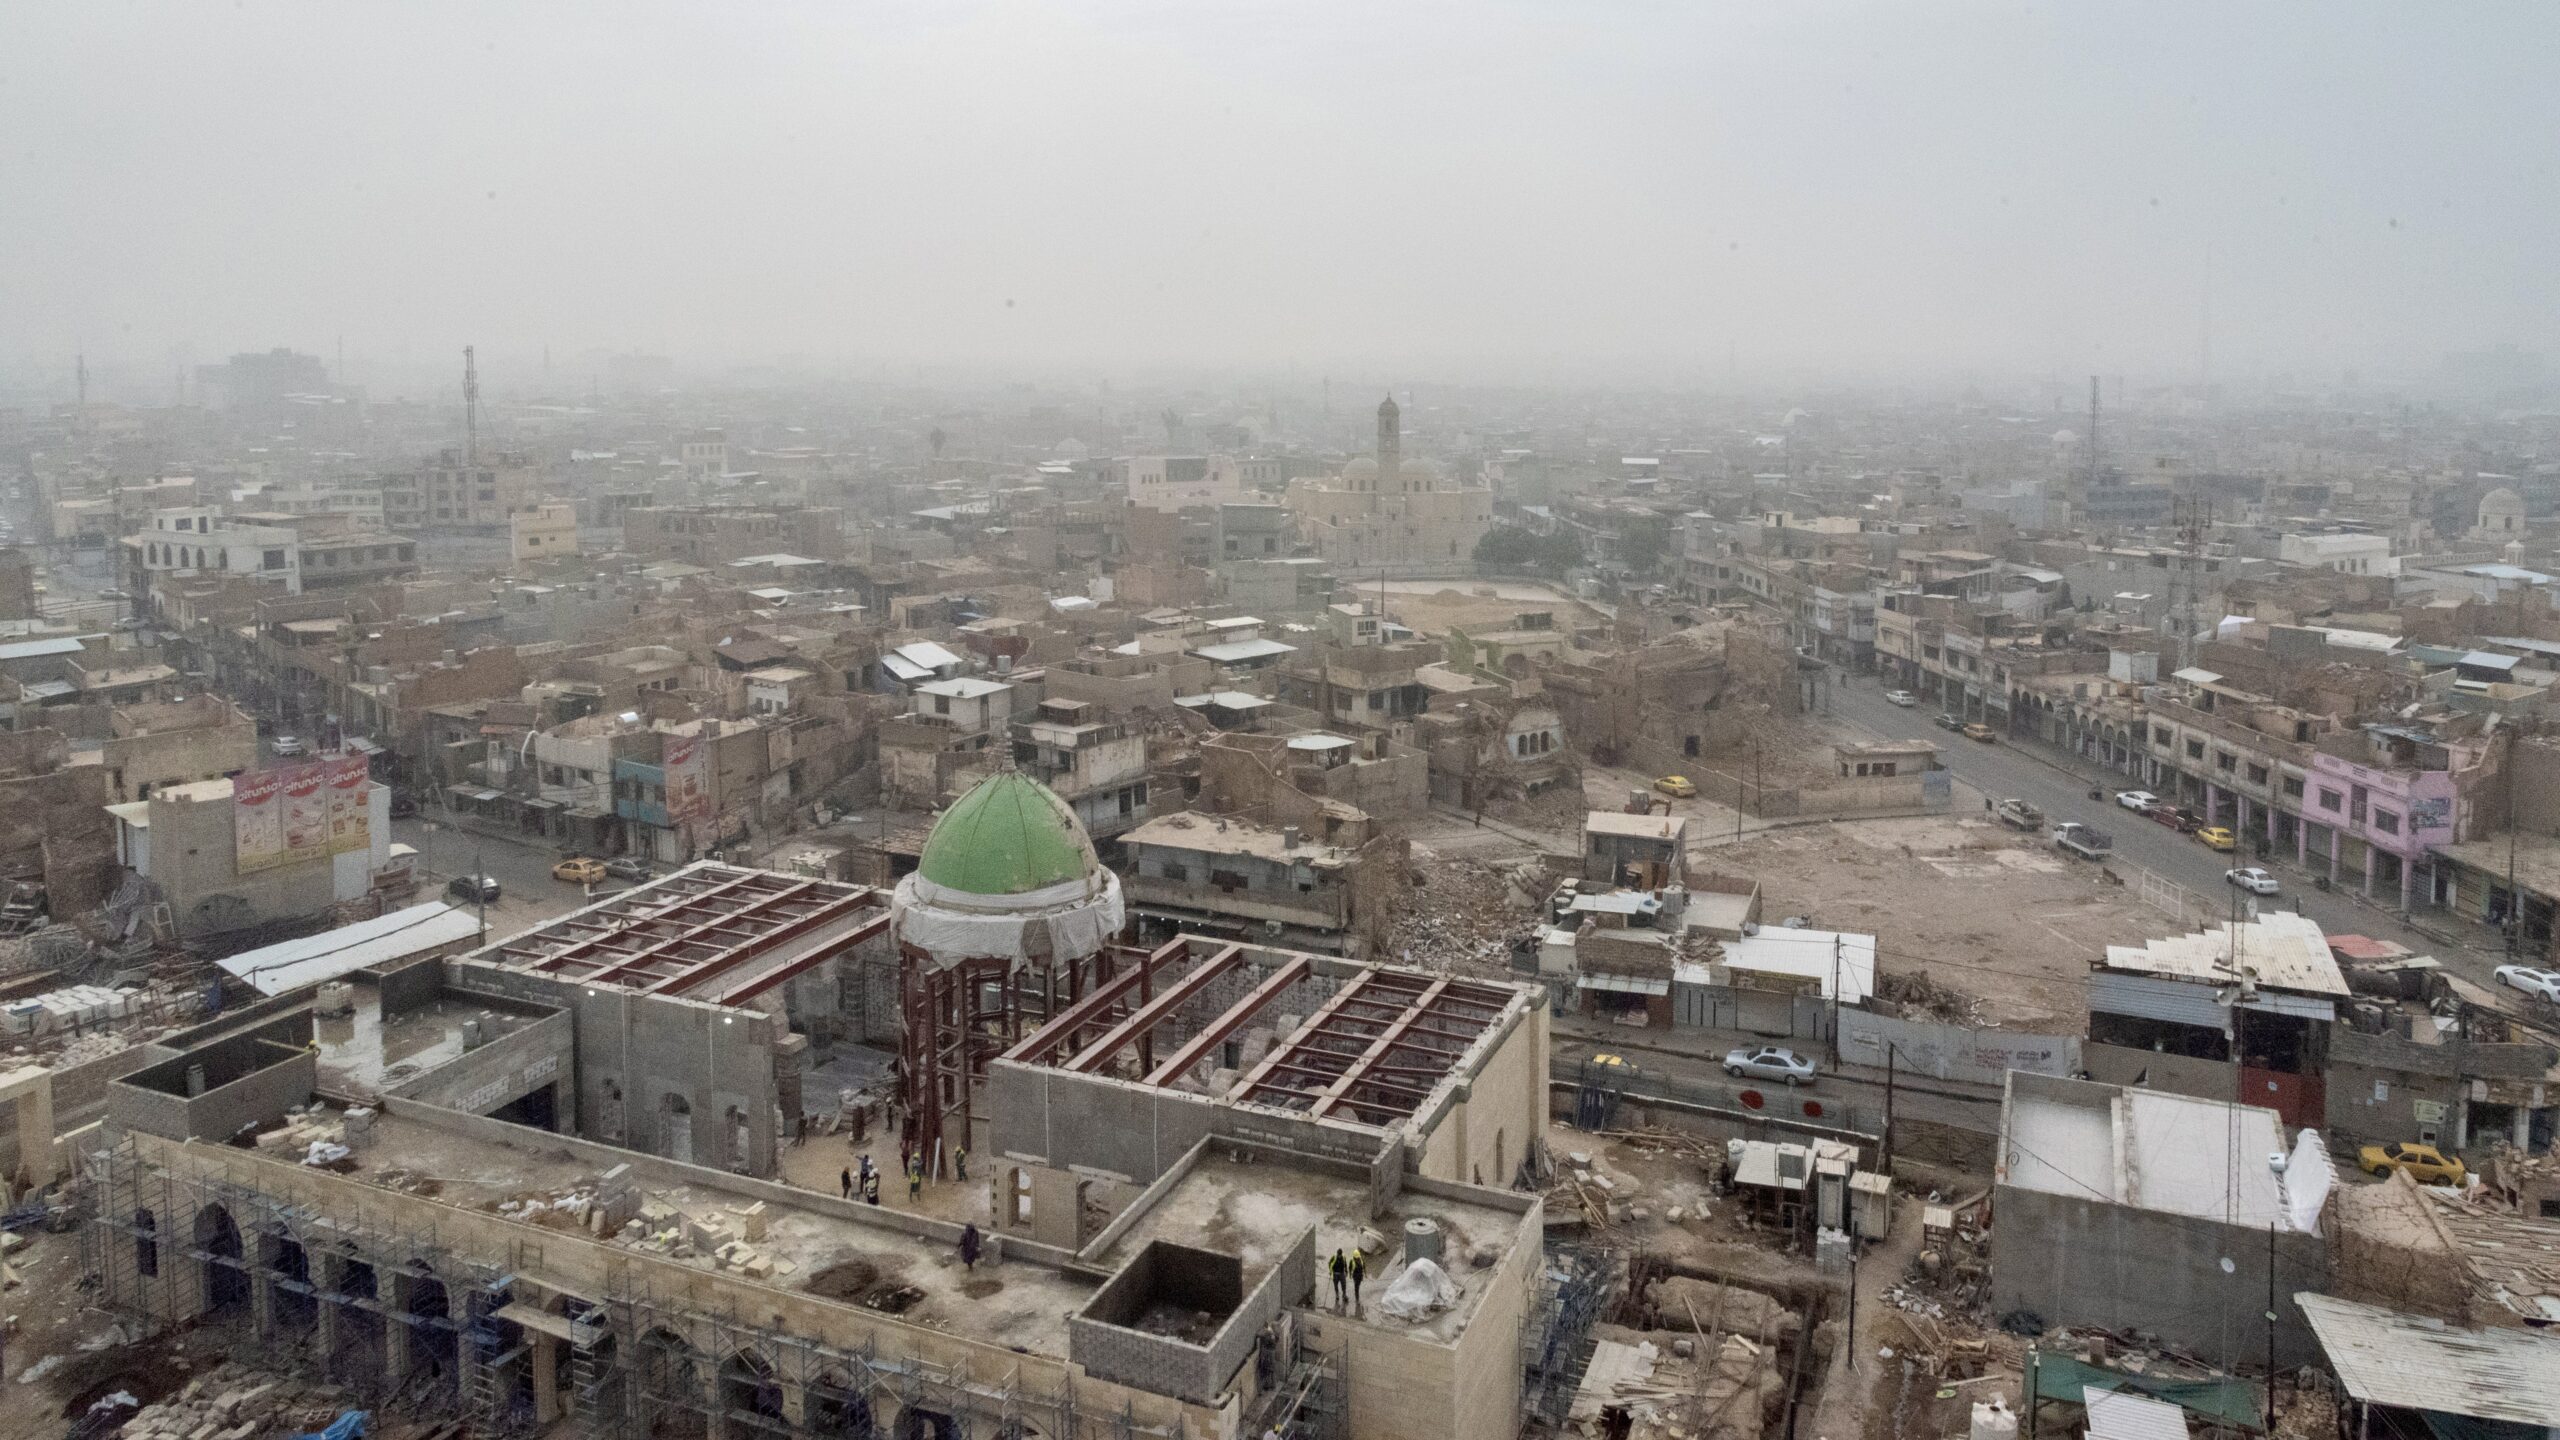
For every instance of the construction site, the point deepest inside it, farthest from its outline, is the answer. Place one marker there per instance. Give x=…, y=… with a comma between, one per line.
x=547, y=1184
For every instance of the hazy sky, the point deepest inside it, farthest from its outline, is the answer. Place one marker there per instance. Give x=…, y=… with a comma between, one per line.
x=1458, y=189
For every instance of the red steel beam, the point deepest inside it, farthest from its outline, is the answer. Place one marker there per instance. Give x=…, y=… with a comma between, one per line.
x=1237, y=1016
x=1151, y=1014
x=1035, y=1049
x=870, y=929
x=650, y=954
x=631, y=918
x=1377, y=1048
x=695, y=933
x=1330, y=1008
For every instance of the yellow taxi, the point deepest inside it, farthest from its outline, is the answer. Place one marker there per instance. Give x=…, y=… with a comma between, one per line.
x=1676, y=786
x=2425, y=1163
x=579, y=870
x=2216, y=837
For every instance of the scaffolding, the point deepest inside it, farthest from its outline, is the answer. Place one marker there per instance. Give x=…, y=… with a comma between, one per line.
x=678, y=1372
x=321, y=1296
x=1581, y=1282
x=1305, y=1392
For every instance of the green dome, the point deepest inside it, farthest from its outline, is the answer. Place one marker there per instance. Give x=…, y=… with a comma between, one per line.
x=1009, y=835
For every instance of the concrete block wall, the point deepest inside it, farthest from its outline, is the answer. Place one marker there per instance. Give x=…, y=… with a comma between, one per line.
x=1115, y=1127
x=660, y=1074
x=254, y=1079
x=2079, y=1261
x=503, y=1070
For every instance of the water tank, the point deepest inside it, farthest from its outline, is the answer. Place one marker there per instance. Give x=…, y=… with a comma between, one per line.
x=1422, y=1240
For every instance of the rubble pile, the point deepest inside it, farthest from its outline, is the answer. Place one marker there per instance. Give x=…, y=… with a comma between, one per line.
x=1460, y=914
x=235, y=1402
x=1918, y=997
x=727, y=1239
x=317, y=1136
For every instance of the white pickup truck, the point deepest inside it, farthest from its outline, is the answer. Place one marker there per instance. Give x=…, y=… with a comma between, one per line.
x=2080, y=840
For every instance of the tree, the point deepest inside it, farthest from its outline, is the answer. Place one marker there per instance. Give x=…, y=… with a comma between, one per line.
x=1643, y=547
x=1559, y=552
x=1506, y=547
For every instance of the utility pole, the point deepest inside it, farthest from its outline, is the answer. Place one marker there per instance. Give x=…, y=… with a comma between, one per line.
x=2093, y=432
x=2271, y=1318
x=1890, y=1050
x=1835, y=996
x=470, y=407
x=480, y=891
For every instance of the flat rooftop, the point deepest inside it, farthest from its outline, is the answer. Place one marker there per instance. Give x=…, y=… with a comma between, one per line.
x=2279, y=949
x=1013, y=1303
x=2148, y=1149
x=1237, y=1203
x=1643, y=827
x=366, y=1053
x=707, y=932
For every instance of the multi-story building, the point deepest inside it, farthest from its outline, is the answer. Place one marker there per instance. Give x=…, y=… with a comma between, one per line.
x=452, y=494
x=719, y=534
x=1098, y=767
x=542, y=532
x=1178, y=482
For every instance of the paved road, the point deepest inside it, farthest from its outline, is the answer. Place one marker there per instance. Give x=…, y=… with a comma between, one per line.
x=1694, y=1057
x=2058, y=784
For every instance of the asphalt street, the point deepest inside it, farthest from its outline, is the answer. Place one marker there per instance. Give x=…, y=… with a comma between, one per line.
x=2058, y=784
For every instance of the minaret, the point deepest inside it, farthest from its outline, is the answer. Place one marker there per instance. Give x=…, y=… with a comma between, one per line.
x=1390, y=443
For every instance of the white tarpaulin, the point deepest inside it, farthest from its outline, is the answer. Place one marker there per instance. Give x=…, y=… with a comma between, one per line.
x=2308, y=1179
x=1421, y=1290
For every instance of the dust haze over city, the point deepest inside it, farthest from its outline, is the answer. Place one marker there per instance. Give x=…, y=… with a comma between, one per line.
x=1278, y=722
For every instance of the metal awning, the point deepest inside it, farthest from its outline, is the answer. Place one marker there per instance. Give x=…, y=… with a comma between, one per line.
x=2384, y=1357
x=542, y=805
x=1624, y=984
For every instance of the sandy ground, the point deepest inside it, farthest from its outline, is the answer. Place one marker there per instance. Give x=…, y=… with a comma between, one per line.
x=1972, y=905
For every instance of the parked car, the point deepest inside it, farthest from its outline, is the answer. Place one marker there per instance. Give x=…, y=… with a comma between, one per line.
x=288, y=746
x=476, y=889
x=579, y=870
x=2215, y=837
x=1903, y=698
x=1769, y=1062
x=2251, y=879
x=1677, y=786
x=2425, y=1163
x=2540, y=984
x=1980, y=733
x=2177, y=818
x=2137, y=801
x=1950, y=722
x=627, y=867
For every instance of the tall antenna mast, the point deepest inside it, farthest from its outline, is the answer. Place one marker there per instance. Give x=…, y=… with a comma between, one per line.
x=2093, y=432
x=470, y=407
x=80, y=375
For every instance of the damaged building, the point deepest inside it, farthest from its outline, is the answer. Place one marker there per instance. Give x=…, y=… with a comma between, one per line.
x=545, y=1181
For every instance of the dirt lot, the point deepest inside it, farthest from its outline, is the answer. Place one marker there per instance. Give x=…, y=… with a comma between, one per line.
x=1969, y=904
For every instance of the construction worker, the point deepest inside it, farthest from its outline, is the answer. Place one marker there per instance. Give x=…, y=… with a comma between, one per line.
x=960, y=1163
x=1359, y=1272
x=1341, y=1280
x=871, y=1188
x=970, y=1246
x=844, y=1184
x=915, y=1180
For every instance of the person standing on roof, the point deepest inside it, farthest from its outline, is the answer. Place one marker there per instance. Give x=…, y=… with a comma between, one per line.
x=1341, y=1281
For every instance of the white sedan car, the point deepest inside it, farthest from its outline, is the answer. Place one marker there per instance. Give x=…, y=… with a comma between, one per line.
x=2541, y=984
x=1769, y=1062
x=2136, y=799
x=1903, y=698
x=2251, y=879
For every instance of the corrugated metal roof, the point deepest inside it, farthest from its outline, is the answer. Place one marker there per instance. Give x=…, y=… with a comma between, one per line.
x=32, y=649
x=2384, y=1357
x=275, y=969
x=2115, y=1415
